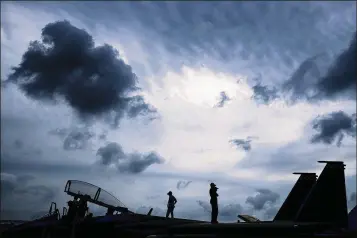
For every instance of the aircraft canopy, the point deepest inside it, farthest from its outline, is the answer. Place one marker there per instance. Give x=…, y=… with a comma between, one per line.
x=97, y=195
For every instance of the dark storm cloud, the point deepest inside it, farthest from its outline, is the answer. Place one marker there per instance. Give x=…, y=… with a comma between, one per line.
x=66, y=65
x=182, y=184
x=135, y=162
x=224, y=31
x=263, y=94
x=223, y=98
x=77, y=140
x=342, y=75
x=218, y=28
x=17, y=196
x=302, y=82
x=73, y=139
x=111, y=153
x=263, y=197
x=244, y=144
x=332, y=126
x=310, y=81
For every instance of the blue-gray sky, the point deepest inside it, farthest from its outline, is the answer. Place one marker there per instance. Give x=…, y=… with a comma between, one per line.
x=239, y=93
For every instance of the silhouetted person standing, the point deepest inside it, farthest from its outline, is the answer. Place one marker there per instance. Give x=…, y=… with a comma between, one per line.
x=171, y=205
x=214, y=202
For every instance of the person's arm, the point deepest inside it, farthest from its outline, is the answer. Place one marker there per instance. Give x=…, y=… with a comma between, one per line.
x=175, y=200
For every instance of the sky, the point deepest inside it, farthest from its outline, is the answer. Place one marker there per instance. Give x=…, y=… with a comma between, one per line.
x=142, y=98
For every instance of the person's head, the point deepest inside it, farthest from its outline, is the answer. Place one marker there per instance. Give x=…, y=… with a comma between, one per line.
x=213, y=186
x=169, y=193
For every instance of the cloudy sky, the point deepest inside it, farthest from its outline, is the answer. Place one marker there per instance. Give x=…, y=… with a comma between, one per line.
x=145, y=97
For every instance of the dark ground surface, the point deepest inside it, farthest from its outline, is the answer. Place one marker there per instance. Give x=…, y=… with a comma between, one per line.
x=140, y=226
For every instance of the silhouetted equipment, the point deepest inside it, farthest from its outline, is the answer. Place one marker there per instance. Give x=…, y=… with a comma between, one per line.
x=150, y=211
x=312, y=208
x=53, y=211
x=288, y=211
x=64, y=211
x=96, y=195
x=110, y=211
x=248, y=218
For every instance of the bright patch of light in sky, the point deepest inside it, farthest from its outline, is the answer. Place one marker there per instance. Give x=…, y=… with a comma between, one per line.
x=202, y=86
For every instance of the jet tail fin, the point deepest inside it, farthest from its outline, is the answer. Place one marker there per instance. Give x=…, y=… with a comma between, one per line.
x=327, y=200
x=296, y=197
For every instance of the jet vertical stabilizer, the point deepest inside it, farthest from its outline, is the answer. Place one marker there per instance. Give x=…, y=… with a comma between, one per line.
x=296, y=197
x=327, y=200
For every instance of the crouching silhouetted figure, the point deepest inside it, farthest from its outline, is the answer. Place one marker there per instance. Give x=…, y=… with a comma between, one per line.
x=214, y=202
x=72, y=209
x=171, y=205
x=83, y=206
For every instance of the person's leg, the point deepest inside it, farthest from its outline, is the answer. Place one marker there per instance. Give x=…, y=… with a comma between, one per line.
x=167, y=212
x=172, y=213
x=214, y=213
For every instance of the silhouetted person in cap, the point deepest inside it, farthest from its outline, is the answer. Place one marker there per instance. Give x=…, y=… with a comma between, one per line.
x=171, y=205
x=214, y=202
